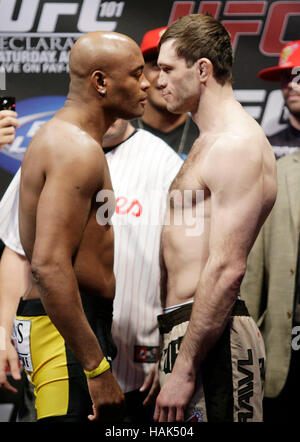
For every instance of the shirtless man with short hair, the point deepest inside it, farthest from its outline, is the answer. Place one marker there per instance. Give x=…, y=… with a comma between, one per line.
x=211, y=365
x=70, y=254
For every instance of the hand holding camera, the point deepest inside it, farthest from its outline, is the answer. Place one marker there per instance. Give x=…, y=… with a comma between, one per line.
x=8, y=120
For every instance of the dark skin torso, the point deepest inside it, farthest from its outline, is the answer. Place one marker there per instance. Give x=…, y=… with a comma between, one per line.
x=91, y=243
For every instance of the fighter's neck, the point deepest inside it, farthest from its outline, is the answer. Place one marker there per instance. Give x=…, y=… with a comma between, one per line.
x=111, y=141
x=92, y=120
x=214, y=104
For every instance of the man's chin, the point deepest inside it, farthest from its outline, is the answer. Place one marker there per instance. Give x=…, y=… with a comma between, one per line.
x=174, y=109
x=294, y=110
x=138, y=112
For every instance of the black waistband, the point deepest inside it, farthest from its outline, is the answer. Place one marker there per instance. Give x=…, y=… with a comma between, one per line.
x=92, y=306
x=168, y=320
x=31, y=307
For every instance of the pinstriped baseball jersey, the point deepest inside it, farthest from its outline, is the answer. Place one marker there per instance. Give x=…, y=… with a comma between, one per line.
x=142, y=169
x=9, y=221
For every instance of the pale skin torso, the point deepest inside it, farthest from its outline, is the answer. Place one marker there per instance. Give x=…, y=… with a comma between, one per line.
x=233, y=164
x=236, y=169
x=186, y=250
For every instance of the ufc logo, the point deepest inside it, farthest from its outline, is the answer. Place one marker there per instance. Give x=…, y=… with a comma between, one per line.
x=23, y=19
x=237, y=19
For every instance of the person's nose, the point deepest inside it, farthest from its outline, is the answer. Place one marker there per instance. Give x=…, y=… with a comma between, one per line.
x=161, y=81
x=145, y=83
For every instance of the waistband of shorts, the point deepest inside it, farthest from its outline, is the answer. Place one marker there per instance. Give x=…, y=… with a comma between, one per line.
x=97, y=307
x=31, y=307
x=168, y=320
x=34, y=307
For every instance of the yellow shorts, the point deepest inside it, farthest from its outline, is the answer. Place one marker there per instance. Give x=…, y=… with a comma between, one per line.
x=60, y=384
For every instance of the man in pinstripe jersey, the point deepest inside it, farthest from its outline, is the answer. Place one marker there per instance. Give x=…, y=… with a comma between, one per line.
x=142, y=169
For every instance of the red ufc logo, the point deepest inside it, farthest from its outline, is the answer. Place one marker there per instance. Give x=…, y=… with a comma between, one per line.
x=123, y=207
x=236, y=19
x=275, y=26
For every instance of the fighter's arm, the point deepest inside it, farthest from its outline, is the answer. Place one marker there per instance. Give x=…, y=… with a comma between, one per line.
x=62, y=213
x=253, y=290
x=163, y=276
x=14, y=280
x=236, y=187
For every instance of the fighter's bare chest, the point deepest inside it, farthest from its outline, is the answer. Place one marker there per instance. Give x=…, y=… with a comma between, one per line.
x=189, y=185
x=189, y=176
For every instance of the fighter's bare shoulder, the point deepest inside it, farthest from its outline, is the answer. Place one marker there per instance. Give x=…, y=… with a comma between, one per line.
x=58, y=133
x=240, y=154
x=64, y=147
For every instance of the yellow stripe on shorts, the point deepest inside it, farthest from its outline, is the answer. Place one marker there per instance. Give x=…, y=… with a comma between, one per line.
x=50, y=370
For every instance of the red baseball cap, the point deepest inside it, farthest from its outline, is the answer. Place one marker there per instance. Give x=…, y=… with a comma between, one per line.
x=149, y=45
x=289, y=58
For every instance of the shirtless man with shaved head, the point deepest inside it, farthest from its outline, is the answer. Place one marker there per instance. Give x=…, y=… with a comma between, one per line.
x=211, y=366
x=63, y=322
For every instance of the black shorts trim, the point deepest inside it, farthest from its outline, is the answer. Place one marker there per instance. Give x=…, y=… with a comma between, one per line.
x=168, y=320
x=31, y=307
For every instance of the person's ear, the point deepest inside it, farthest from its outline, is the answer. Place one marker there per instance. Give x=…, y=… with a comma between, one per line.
x=205, y=68
x=99, y=82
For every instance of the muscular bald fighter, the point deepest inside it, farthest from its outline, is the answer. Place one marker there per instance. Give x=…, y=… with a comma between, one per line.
x=211, y=366
x=63, y=322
